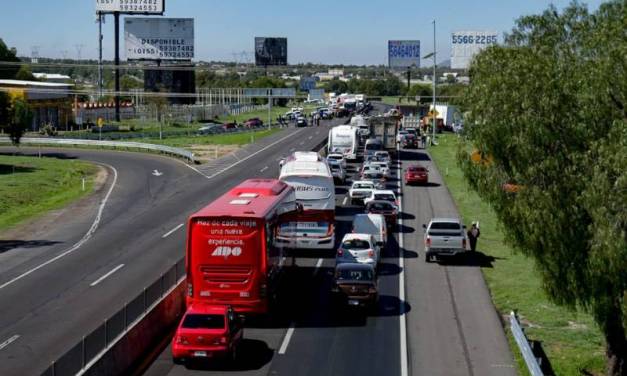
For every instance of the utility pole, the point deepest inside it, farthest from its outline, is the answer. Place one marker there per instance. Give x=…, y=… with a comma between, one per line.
x=434, y=82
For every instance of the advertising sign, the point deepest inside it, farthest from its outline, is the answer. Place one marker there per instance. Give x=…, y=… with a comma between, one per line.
x=270, y=51
x=316, y=94
x=276, y=93
x=307, y=83
x=466, y=44
x=130, y=6
x=159, y=38
x=404, y=53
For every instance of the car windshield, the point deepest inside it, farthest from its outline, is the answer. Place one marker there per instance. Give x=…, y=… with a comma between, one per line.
x=380, y=206
x=362, y=186
x=354, y=275
x=373, y=175
x=445, y=226
x=385, y=197
x=355, y=244
x=200, y=321
x=418, y=169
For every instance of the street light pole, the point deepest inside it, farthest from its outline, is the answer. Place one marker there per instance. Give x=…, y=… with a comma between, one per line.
x=434, y=83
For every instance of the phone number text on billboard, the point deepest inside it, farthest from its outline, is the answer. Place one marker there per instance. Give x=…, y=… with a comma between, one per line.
x=405, y=51
x=130, y=6
x=474, y=39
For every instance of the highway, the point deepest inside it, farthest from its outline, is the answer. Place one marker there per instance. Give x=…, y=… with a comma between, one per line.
x=58, y=284
x=445, y=325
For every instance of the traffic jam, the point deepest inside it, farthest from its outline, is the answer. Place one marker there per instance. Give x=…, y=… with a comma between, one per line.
x=239, y=247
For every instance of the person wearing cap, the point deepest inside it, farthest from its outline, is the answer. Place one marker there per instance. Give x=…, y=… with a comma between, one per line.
x=473, y=235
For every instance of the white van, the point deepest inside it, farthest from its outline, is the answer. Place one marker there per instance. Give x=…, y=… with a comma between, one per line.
x=373, y=224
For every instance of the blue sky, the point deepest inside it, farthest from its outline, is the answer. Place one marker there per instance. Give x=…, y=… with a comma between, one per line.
x=320, y=31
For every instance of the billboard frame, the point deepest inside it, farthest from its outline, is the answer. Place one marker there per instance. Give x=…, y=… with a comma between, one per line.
x=161, y=19
x=131, y=12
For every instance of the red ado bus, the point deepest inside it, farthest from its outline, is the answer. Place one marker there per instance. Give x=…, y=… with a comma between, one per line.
x=232, y=257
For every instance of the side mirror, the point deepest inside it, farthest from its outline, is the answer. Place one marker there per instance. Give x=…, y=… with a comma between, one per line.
x=424, y=226
x=464, y=226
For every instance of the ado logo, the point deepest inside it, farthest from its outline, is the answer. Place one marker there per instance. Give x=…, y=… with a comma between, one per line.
x=227, y=251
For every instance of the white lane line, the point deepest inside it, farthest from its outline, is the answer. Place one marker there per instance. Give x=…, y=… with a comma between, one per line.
x=302, y=143
x=94, y=283
x=345, y=200
x=76, y=246
x=401, y=276
x=318, y=265
x=244, y=159
x=310, y=137
x=9, y=341
x=172, y=231
x=263, y=169
x=292, y=149
x=286, y=340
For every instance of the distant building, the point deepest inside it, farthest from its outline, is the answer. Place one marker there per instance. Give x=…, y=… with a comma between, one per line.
x=53, y=77
x=51, y=102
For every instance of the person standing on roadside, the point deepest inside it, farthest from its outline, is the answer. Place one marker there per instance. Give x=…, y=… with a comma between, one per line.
x=473, y=235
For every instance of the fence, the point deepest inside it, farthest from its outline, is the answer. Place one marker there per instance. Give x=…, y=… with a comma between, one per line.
x=113, y=328
x=523, y=344
x=109, y=144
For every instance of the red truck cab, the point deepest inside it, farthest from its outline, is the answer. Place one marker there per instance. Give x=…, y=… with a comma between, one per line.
x=207, y=332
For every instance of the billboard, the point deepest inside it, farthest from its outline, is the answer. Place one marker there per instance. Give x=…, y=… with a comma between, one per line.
x=275, y=93
x=270, y=51
x=307, y=83
x=131, y=6
x=159, y=38
x=316, y=94
x=466, y=44
x=403, y=53
x=172, y=81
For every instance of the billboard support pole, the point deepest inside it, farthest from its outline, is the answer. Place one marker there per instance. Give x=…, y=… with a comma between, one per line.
x=116, y=16
x=434, y=83
x=408, y=80
x=100, y=19
x=269, y=108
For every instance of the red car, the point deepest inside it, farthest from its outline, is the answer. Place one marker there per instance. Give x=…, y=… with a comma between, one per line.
x=206, y=332
x=253, y=123
x=416, y=174
x=229, y=126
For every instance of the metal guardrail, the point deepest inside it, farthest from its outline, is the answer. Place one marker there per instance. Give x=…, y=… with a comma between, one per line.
x=91, y=346
x=109, y=144
x=533, y=364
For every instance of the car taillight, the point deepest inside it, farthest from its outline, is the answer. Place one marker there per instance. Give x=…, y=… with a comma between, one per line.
x=190, y=289
x=371, y=253
x=220, y=341
x=182, y=340
x=428, y=242
x=340, y=252
x=263, y=290
x=372, y=290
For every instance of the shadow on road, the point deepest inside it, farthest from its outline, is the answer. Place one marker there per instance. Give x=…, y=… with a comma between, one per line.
x=252, y=355
x=472, y=259
x=7, y=245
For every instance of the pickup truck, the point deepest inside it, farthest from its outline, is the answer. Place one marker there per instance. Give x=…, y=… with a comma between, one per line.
x=444, y=236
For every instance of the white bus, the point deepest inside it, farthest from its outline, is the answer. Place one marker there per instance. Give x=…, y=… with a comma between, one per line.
x=314, y=226
x=344, y=139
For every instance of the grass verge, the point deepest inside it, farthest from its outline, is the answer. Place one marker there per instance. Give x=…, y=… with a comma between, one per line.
x=219, y=139
x=33, y=186
x=571, y=340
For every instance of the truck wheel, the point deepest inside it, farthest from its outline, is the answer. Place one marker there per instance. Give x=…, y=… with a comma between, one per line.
x=428, y=257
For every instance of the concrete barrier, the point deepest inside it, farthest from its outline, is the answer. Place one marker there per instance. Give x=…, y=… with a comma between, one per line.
x=128, y=352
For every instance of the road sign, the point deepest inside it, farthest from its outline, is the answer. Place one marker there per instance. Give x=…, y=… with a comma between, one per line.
x=130, y=6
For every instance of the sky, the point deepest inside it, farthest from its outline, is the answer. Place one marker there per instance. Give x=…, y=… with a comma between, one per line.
x=318, y=31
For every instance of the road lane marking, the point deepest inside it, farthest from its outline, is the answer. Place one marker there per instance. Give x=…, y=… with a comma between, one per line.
x=345, y=201
x=286, y=340
x=244, y=159
x=318, y=265
x=263, y=169
x=9, y=341
x=292, y=149
x=172, y=231
x=76, y=246
x=302, y=143
x=401, y=276
x=94, y=283
x=310, y=137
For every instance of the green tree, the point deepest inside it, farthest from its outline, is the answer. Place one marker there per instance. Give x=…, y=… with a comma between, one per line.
x=25, y=74
x=20, y=118
x=548, y=108
x=8, y=55
x=5, y=104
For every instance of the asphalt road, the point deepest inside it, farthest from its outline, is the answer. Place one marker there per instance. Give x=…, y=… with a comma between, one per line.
x=49, y=297
x=445, y=325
